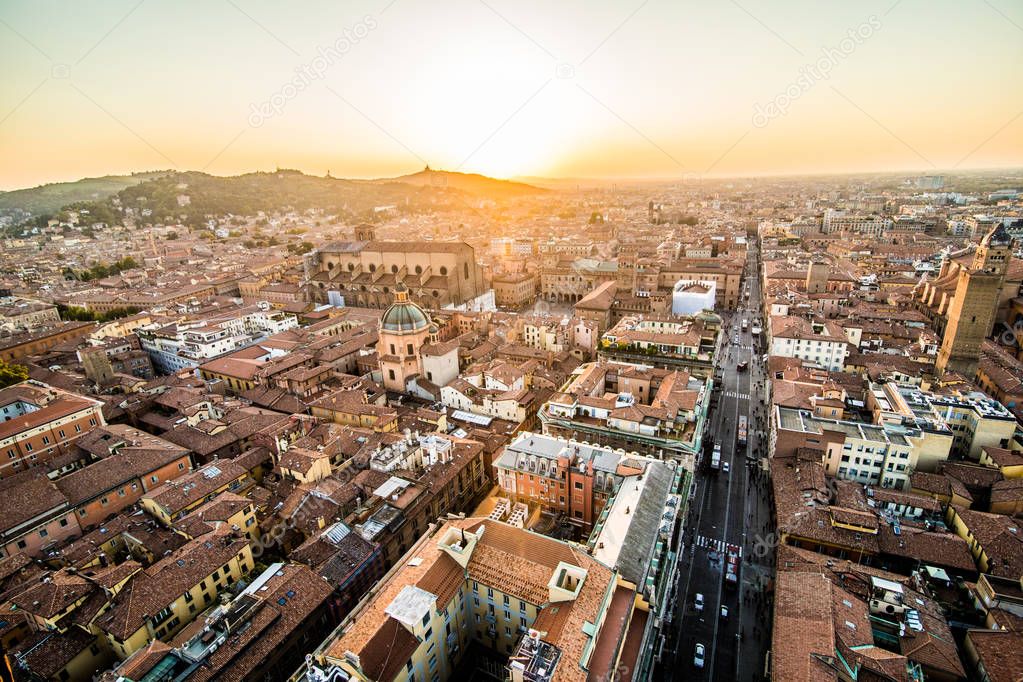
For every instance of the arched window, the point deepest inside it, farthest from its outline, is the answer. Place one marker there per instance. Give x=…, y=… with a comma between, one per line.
x=351, y=266
x=394, y=268
x=443, y=271
x=419, y=269
x=372, y=267
x=436, y=293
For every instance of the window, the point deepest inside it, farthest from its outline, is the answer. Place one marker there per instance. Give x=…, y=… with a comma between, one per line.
x=578, y=485
x=408, y=349
x=390, y=374
x=43, y=533
x=63, y=522
x=426, y=619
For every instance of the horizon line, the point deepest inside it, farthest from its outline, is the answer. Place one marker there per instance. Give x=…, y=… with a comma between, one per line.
x=684, y=178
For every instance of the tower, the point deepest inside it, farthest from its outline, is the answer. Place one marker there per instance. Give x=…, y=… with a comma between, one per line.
x=817, y=277
x=972, y=313
x=365, y=233
x=404, y=328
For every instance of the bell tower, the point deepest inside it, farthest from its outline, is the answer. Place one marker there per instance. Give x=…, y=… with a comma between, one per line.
x=974, y=305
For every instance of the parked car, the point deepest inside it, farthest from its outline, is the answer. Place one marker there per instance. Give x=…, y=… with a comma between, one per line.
x=700, y=656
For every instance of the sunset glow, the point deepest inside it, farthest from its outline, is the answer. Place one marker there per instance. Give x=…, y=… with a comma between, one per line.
x=583, y=89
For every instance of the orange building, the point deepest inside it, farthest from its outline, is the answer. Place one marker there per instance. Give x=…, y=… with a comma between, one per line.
x=563, y=477
x=132, y=463
x=41, y=422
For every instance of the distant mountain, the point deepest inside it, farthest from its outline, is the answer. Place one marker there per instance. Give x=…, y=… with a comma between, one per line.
x=193, y=198
x=52, y=197
x=471, y=183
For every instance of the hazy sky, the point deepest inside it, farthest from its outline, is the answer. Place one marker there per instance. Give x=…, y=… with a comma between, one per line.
x=588, y=88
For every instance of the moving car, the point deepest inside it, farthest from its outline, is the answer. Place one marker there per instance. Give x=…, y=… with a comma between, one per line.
x=724, y=612
x=698, y=602
x=725, y=467
x=700, y=656
x=732, y=567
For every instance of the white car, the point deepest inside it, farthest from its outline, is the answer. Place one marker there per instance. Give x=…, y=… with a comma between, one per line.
x=724, y=612
x=725, y=467
x=700, y=656
x=698, y=602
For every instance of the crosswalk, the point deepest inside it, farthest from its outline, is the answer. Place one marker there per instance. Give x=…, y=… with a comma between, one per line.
x=736, y=394
x=719, y=546
x=711, y=544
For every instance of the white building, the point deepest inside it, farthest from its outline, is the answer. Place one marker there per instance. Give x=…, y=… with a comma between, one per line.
x=689, y=297
x=189, y=344
x=823, y=343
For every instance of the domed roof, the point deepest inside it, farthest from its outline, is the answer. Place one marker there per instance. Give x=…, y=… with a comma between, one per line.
x=403, y=316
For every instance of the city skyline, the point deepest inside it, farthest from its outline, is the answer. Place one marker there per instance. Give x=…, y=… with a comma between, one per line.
x=606, y=91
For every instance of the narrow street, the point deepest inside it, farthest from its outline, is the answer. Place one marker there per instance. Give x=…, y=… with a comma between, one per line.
x=730, y=513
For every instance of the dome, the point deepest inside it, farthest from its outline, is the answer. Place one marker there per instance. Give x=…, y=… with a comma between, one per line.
x=403, y=315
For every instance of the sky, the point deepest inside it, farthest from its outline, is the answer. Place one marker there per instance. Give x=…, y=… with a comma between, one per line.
x=508, y=88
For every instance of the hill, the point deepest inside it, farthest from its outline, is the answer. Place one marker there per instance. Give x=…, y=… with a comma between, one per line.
x=471, y=183
x=192, y=198
x=54, y=196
